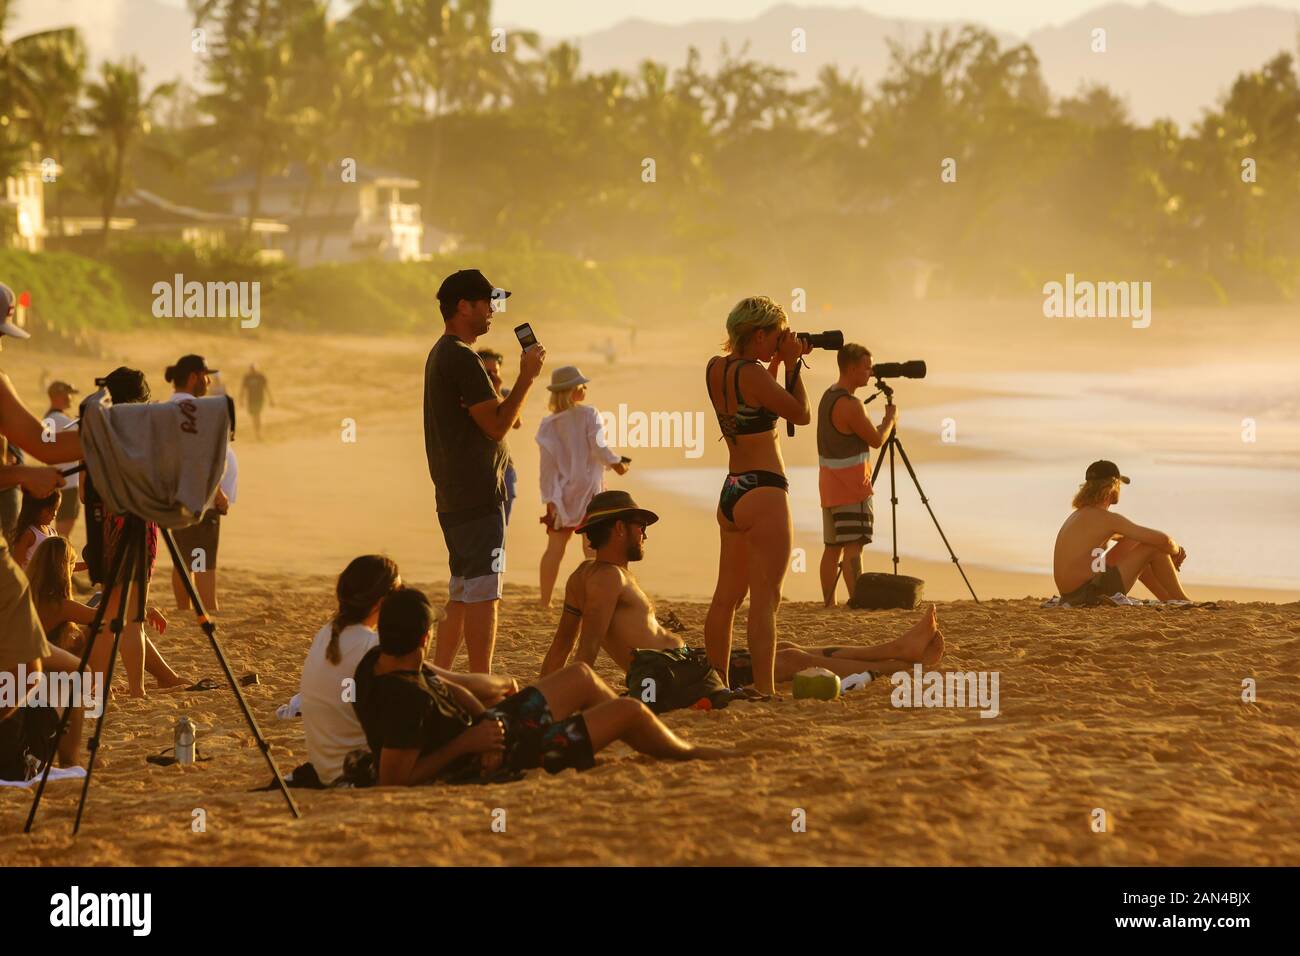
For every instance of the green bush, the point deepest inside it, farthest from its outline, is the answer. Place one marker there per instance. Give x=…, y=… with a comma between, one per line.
x=69, y=293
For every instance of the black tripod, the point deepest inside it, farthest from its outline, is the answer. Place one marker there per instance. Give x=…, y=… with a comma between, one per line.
x=893, y=444
x=129, y=572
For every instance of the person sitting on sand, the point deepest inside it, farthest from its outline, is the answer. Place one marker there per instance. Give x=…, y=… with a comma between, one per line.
x=1086, y=572
x=422, y=728
x=67, y=621
x=329, y=721
x=36, y=523
x=604, y=607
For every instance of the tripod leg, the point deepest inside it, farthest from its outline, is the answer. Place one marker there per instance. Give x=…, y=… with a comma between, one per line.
x=96, y=624
x=132, y=542
x=893, y=499
x=926, y=501
x=210, y=630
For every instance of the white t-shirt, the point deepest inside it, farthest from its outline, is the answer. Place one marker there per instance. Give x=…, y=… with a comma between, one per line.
x=329, y=721
x=229, y=477
x=61, y=424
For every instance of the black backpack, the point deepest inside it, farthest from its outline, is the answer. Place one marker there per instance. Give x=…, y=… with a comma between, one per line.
x=878, y=592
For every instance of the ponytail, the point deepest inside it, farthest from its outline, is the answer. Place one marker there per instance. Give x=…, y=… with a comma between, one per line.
x=365, y=582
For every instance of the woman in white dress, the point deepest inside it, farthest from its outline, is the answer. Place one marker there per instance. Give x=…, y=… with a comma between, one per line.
x=574, y=459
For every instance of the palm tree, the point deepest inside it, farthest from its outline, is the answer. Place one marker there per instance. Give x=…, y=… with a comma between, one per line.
x=118, y=112
x=50, y=86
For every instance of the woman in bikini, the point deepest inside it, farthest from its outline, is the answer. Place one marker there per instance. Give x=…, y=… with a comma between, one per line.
x=754, y=509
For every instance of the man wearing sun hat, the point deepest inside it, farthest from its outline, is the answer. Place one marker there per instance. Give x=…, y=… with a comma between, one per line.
x=1086, y=573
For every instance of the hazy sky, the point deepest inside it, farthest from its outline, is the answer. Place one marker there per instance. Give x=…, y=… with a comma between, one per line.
x=570, y=17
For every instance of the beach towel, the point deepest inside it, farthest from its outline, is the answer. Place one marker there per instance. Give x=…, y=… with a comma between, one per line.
x=161, y=462
x=56, y=773
x=1119, y=599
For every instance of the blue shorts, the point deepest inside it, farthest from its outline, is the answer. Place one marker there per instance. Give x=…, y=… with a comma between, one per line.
x=476, y=551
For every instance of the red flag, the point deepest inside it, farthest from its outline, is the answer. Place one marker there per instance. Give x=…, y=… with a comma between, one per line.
x=24, y=299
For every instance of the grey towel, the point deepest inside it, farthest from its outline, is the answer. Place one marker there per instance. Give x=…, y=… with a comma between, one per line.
x=161, y=462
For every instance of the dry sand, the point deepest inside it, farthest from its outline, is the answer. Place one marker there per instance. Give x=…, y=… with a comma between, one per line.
x=1132, y=710
x=1136, y=711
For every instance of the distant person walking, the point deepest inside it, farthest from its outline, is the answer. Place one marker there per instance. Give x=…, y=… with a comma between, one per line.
x=845, y=437
x=574, y=459
x=492, y=363
x=465, y=424
x=191, y=379
x=60, y=394
x=253, y=393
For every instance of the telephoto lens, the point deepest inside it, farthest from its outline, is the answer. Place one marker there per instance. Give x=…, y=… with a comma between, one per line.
x=912, y=369
x=832, y=341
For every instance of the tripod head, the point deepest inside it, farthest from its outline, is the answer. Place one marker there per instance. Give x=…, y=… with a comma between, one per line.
x=882, y=388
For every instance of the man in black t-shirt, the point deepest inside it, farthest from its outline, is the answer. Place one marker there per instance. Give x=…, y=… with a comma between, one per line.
x=422, y=728
x=465, y=424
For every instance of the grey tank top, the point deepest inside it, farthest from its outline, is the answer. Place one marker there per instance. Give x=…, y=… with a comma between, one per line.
x=832, y=443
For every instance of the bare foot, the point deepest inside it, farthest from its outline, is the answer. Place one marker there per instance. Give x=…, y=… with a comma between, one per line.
x=915, y=644
x=175, y=680
x=933, y=650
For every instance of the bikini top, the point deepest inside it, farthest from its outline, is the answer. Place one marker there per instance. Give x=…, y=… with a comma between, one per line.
x=746, y=419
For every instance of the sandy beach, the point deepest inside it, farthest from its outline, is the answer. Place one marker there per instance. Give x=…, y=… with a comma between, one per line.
x=1137, y=711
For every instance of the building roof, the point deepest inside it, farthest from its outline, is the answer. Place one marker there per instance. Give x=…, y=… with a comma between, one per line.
x=151, y=210
x=295, y=178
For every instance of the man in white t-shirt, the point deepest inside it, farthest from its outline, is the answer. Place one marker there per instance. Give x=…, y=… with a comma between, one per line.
x=191, y=379
x=70, y=507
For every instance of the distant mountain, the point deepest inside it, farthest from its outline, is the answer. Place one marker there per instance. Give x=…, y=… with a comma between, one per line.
x=1163, y=63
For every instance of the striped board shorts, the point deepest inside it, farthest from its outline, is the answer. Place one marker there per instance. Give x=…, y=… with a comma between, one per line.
x=848, y=524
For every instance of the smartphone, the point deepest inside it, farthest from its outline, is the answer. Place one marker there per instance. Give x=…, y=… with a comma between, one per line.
x=525, y=335
x=624, y=459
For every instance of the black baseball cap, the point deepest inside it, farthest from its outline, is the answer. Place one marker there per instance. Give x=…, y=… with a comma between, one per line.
x=468, y=284
x=1099, y=470
x=186, y=366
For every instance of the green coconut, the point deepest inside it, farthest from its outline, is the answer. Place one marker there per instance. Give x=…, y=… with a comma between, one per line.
x=816, y=683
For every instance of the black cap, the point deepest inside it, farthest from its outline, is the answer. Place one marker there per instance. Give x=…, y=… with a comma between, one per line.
x=468, y=284
x=186, y=366
x=1099, y=470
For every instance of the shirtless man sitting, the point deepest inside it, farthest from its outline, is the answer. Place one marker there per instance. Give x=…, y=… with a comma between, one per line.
x=1140, y=554
x=604, y=607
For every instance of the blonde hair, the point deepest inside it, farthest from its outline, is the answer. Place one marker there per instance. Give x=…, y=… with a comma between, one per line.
x=1098, y=491
x=751, y=315
x=563, y=401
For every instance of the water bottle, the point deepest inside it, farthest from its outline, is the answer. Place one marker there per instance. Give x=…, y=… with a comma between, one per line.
x=186, y=751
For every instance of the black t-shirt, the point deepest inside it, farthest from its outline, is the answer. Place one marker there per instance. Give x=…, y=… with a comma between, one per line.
x=255, y=384
x=407, y=710
x=467, y=467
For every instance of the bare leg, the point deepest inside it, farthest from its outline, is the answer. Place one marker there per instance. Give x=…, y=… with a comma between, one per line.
x=829, y=572
x=205, y=582
x=733, y=584
x=913, y=645
x=1166, y=578
x=480, y=635
x=633, y=723
x=852, y=565
x=764, y=515
x=556, y=542
x=178, y=591
x=450, y=629
x=159, y=670
x=573, y=688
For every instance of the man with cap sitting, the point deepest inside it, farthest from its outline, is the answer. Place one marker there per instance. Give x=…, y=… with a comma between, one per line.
x=191, y=378
x=1086, y=572
x=465, y=424
x=604, y=607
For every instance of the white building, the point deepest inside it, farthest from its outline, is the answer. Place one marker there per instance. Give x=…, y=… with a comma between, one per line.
x=22, y=209
x=331, y=220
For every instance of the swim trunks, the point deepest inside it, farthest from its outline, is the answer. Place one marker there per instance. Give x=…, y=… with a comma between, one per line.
x=667, y=679
x=536, y=739
x=1100, y=586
